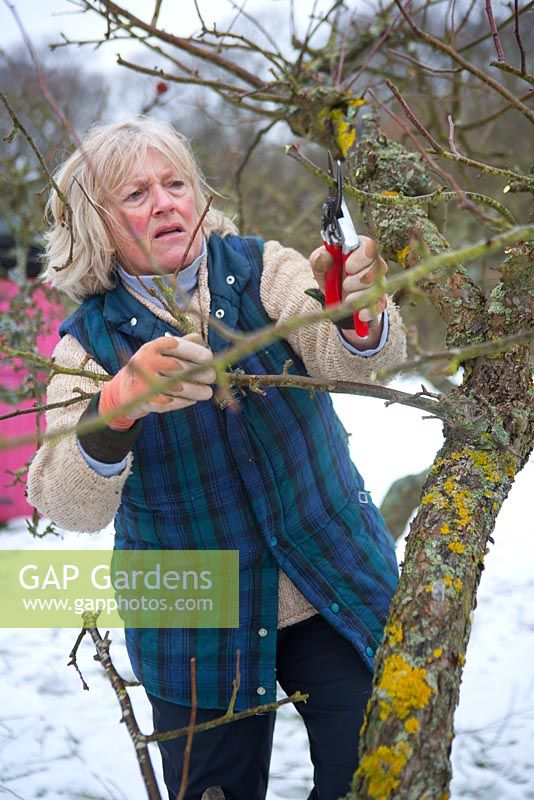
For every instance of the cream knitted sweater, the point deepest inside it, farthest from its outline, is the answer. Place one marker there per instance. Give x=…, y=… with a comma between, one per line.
x=62, y=485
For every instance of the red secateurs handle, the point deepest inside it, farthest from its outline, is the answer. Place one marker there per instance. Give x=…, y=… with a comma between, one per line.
x=333, y=287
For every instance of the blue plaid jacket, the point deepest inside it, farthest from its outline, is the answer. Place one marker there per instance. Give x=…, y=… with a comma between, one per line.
x=274, y=481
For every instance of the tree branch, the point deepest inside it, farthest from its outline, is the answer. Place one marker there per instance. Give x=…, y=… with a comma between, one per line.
x=502, y=25
x=18, y=124
x=116, y=11
x=225, y=719
x=396, y=198
x=464, y=201
x=226, y=89
x=128, y=717
x=458, y=355
x=478, y=73
x=519, y=73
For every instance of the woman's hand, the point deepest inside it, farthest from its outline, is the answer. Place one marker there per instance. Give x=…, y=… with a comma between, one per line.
x=363, y=268
x=164, y=358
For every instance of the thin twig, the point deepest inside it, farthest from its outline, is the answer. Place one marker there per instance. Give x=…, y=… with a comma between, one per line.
x=257, y=24
x=518, y=37
x=413, y=119
x=157, y=8
x=255, y=142
x=376, y=48
x=236, y=683
x=494, y=31
x=433, y=70
x=489, y=169
x=466, y=17
x=50, y=364
x=248, y=45
x=199, y=15
x=191, y=78
x=73, y=662
x=307, y=36
x=190, y=732
x=228, y=92
x=45, y=91
x=196, y=229
x=452, y=27
x=41, y=409
x=451, y=136
x=468, y=126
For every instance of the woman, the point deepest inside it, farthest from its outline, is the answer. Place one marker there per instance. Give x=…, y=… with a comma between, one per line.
x=181, y=471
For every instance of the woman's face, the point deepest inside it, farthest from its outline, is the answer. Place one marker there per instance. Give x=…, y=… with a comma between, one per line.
x=156, y=211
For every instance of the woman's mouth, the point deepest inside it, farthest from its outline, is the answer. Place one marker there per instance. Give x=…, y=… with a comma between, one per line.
x=169, y=233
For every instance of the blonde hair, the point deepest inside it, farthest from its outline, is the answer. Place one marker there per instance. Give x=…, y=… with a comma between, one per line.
x=80, y=254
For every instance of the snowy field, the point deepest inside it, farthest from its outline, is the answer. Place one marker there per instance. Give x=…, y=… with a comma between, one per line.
x=58, y=742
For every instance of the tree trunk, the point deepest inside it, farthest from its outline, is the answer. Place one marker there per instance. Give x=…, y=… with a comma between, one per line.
x=408, y=732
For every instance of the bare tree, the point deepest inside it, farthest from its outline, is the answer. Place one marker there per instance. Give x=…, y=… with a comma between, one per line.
x=421, y=112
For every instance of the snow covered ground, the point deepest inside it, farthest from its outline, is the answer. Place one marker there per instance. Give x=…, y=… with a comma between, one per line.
x=58, y=742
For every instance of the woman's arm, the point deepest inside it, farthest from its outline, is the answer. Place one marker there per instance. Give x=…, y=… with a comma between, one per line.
x=61, y=484
x=286, y=276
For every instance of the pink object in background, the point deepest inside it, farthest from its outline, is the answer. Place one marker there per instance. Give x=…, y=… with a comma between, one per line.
x=12, y=500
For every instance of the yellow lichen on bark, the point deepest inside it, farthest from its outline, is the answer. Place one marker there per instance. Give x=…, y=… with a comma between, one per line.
x=394, y=633
x=412, y=725
x=459, y=501
x=487, y=463
x=402, y=688
x=402, y=257
x=456, y=583
x=382, y=769
x=345, y=133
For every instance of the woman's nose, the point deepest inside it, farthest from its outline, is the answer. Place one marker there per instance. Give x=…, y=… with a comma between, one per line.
x=162, y=200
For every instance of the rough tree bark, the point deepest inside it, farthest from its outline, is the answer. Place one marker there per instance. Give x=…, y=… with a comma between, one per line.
x=419, y=666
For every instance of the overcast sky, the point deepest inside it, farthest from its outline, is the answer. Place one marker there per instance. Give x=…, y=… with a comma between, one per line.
x=46, y=19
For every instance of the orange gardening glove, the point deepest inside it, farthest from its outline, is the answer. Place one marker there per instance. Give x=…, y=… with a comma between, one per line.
x=165, y=357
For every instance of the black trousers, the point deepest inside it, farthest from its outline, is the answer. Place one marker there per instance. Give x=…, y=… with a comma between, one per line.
x=311, y=657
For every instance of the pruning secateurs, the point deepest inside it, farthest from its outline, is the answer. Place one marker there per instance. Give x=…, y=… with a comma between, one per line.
x=340, y=240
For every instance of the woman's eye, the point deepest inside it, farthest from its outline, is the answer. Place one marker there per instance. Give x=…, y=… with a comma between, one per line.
x=135, y=195
x=177, y=184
